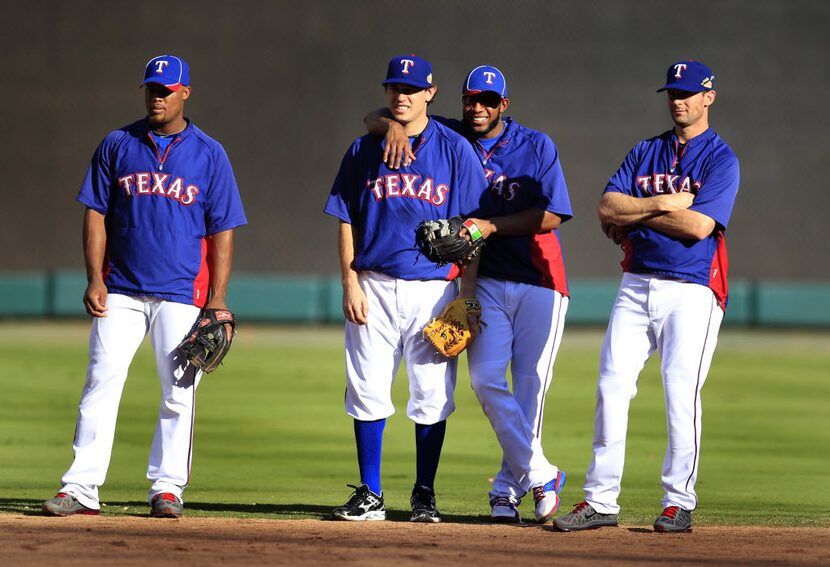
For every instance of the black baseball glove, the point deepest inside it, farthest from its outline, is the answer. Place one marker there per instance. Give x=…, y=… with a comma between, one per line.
x=208, y=341
x=440, y=241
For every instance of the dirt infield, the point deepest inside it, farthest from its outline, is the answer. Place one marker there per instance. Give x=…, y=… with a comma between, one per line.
x=80, y=540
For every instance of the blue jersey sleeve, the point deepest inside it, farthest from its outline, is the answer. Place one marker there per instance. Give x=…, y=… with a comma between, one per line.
x=223, y=205
x=98, y=182
x=452, y=123
x=553, y=195
x=719, y=188
x=342, y=200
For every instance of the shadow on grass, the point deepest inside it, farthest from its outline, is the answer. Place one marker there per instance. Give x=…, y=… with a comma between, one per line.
x=31, y=507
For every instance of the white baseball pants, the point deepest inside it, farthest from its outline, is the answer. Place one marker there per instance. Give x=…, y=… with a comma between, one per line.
x=523, y=328
x=113, y=342
x=398, y=311
x=680, y=320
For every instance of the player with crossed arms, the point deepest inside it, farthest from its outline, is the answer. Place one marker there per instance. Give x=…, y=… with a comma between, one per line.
x=390, y=291
x=522, y=285
x=669, y=204
x=161, y=205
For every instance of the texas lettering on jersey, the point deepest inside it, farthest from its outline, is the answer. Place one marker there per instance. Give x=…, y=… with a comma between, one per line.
x=659, y=183
x=153, y=183
x=408, y=185
x=501, y=186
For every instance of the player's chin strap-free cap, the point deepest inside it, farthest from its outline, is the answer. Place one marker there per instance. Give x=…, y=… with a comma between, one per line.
x=485, y=78
x=409, y=70
x=689, y=76
x=167, y=70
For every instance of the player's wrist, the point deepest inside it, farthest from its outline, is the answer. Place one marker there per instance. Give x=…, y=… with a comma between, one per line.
x=473, y=229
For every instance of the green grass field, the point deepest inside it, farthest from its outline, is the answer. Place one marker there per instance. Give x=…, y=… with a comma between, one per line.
x=273, y=441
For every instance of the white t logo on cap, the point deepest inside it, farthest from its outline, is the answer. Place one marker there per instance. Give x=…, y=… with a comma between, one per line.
x=489, y=77
x=679, y=68
x=160, y=65
x=407, y=63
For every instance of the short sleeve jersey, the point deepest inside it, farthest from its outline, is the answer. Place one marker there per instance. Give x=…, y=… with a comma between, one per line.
x=524, y=171
x=386, y=206
x=705, y=166
x=159, y=209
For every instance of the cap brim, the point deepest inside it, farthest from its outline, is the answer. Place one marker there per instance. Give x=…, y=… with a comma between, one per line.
x=173, y=87
x=683, y=88
x=476, y=91
x=411, y=82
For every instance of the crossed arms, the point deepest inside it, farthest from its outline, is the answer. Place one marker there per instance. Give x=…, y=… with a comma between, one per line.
x=669, y=214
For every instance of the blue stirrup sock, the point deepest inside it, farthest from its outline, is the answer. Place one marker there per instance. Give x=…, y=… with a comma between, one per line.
x=429, y=439
x=368, y=436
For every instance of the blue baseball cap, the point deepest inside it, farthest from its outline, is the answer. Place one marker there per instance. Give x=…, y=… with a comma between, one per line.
x=167, y=70
x=485, y=78
x=689, y=76
x=409, y=70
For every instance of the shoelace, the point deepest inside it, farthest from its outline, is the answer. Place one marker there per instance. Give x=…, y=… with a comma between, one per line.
x=579, y=507
x=670, y=512
x=538, y=493
x=423, y=498
x=502, y=501
x=354, y=497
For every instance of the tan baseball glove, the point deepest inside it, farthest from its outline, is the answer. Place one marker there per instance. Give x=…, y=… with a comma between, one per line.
x=450, y=332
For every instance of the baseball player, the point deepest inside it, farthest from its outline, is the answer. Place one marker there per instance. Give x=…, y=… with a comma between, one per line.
x=390, y=291
x=161, y=205
x=521, y=285
x=668, y=204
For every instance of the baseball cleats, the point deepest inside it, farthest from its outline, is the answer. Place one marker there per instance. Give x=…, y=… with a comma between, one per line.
x=547, y=498
x=64, y=504
x=503, y=510
x=166, y=505
x=674, y=519
x=423, y=505
x=363, y=505
x=584, y=517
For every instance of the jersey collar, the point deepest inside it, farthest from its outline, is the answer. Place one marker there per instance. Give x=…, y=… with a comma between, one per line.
x=144, y=126
x=703, y=137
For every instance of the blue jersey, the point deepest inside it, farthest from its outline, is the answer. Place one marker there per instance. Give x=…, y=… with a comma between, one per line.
x=524, y=171
x=386, y=205
x=159, y=207
x=704, y=166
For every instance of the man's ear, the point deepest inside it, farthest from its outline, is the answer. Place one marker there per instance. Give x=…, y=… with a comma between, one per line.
x=709, y=98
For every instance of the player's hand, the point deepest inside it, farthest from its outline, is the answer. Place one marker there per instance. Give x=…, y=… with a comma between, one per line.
x=217, y=303
x=355, y=304
x=397, y=151
x=677, y=201
x=484, y=225
x=95, y=298
x=615, y=232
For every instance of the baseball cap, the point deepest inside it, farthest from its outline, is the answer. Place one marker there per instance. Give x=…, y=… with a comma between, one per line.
x=690, y=76
x=409, y=70
x=167, y=70
x=485, y=78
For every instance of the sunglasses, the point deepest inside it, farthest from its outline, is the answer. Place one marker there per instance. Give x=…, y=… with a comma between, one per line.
x=487, y=98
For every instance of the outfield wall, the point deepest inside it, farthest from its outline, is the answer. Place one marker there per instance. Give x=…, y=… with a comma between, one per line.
x=280, y=298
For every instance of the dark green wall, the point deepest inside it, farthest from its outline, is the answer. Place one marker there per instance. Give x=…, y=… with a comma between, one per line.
x=284, y=86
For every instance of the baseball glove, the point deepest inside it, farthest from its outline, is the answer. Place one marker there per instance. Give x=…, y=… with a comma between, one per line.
x=450, y=332
x=439, y=241
x=208, y=341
